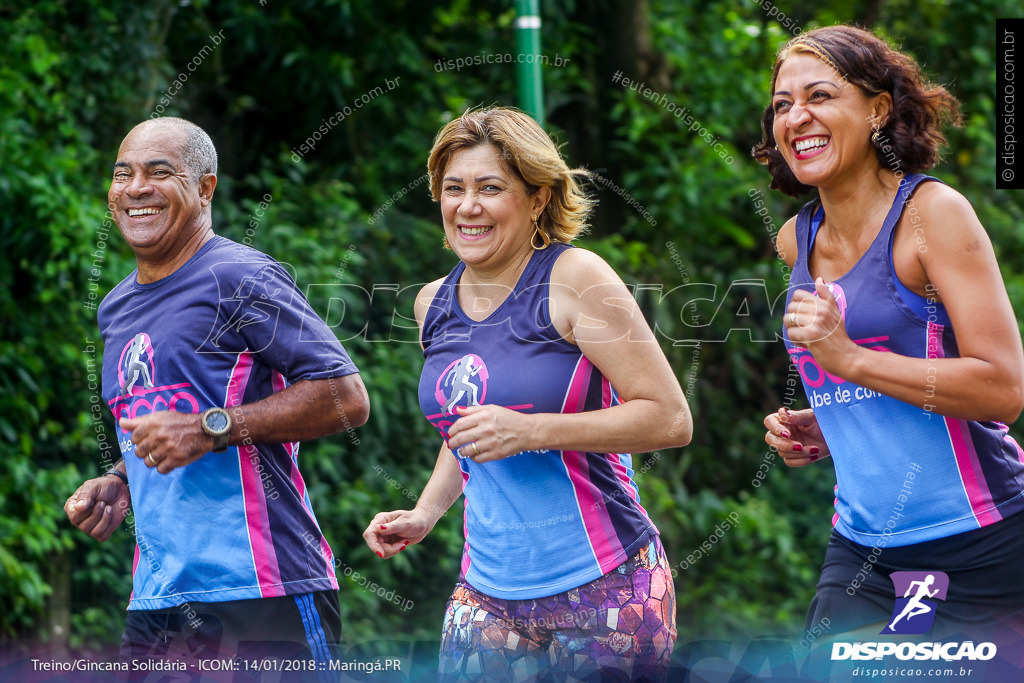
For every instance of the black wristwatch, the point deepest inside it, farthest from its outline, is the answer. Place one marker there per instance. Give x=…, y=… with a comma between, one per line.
x=119, y=474
x=217, y=423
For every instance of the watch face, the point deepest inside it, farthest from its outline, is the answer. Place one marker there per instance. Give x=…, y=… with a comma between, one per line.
x=217, y=422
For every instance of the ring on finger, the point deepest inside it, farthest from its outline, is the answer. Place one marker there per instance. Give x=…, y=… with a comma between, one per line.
x=792, y=319
x=476, y=449
x=150, y=460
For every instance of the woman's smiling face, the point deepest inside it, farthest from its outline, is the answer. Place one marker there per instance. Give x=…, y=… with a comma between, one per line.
x=486, y=210
x=822, y=122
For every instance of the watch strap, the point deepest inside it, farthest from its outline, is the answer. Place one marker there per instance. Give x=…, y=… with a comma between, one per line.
x=119, y=474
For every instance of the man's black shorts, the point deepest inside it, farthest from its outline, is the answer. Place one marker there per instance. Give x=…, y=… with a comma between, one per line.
x=294, y=628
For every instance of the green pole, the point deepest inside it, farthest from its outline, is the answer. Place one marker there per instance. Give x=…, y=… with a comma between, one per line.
x=528, y=75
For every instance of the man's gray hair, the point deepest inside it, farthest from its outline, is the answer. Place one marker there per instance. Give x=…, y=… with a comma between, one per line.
x=199, y=154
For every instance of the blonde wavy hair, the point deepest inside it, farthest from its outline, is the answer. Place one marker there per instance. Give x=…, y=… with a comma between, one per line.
x=526, y=150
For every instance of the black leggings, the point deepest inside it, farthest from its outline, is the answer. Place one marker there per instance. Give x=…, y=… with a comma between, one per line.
x=986, y=587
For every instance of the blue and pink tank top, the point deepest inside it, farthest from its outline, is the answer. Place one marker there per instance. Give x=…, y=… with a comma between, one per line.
x=904, y=473
x=543, y=522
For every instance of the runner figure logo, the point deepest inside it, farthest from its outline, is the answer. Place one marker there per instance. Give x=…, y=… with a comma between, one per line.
x=839, y=295
x=914, y=613
x=136, y=364
x=464, y=381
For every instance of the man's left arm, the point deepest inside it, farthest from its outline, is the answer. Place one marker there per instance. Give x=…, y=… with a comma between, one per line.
x=308, y=409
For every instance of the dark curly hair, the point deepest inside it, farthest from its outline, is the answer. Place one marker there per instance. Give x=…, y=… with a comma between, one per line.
x=912, y=134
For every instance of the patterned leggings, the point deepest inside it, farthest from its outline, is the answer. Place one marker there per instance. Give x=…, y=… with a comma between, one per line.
x=619, y=627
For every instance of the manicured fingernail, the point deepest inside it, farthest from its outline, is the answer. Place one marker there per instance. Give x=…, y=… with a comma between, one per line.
x=380, y=555
x=797, y=447
x=814, y=450
x=813, y=458
x=383, y=527
x=785, y=433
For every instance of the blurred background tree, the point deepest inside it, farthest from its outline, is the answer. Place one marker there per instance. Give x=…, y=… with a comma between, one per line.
x=353, y=218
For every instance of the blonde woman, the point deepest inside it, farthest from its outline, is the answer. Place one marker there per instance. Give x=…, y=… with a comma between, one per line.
x=541, y=376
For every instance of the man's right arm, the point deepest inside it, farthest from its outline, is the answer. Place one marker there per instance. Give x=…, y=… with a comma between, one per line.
x=309, y=409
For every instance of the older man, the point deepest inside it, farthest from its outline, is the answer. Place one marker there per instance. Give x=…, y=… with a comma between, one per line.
x=215, y=367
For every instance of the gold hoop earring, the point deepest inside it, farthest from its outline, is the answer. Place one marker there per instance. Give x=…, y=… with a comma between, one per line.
x=545, y=240
x=444, y=243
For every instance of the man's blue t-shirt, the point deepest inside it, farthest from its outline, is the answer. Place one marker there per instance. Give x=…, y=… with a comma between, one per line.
x=229, y=327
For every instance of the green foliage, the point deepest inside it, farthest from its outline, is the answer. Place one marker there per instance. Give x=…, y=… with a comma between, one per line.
x=52, y=236
x=353, y=219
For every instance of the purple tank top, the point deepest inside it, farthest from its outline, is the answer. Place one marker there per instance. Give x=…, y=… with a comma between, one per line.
x=537, y=523
x=904, y=473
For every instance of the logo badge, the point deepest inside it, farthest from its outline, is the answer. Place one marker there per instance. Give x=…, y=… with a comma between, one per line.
x=839, y=295
x=135, y=368
x=464, y=382
x=917, y=594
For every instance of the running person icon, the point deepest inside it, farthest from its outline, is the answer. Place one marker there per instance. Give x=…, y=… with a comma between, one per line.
x=136, y=366
x=458, y=380
x=915, y=607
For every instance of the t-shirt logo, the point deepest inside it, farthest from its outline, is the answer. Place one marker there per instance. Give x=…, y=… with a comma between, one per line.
x=136, y=364
x=839, y=295
x=914, y=613
x=463, y=382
